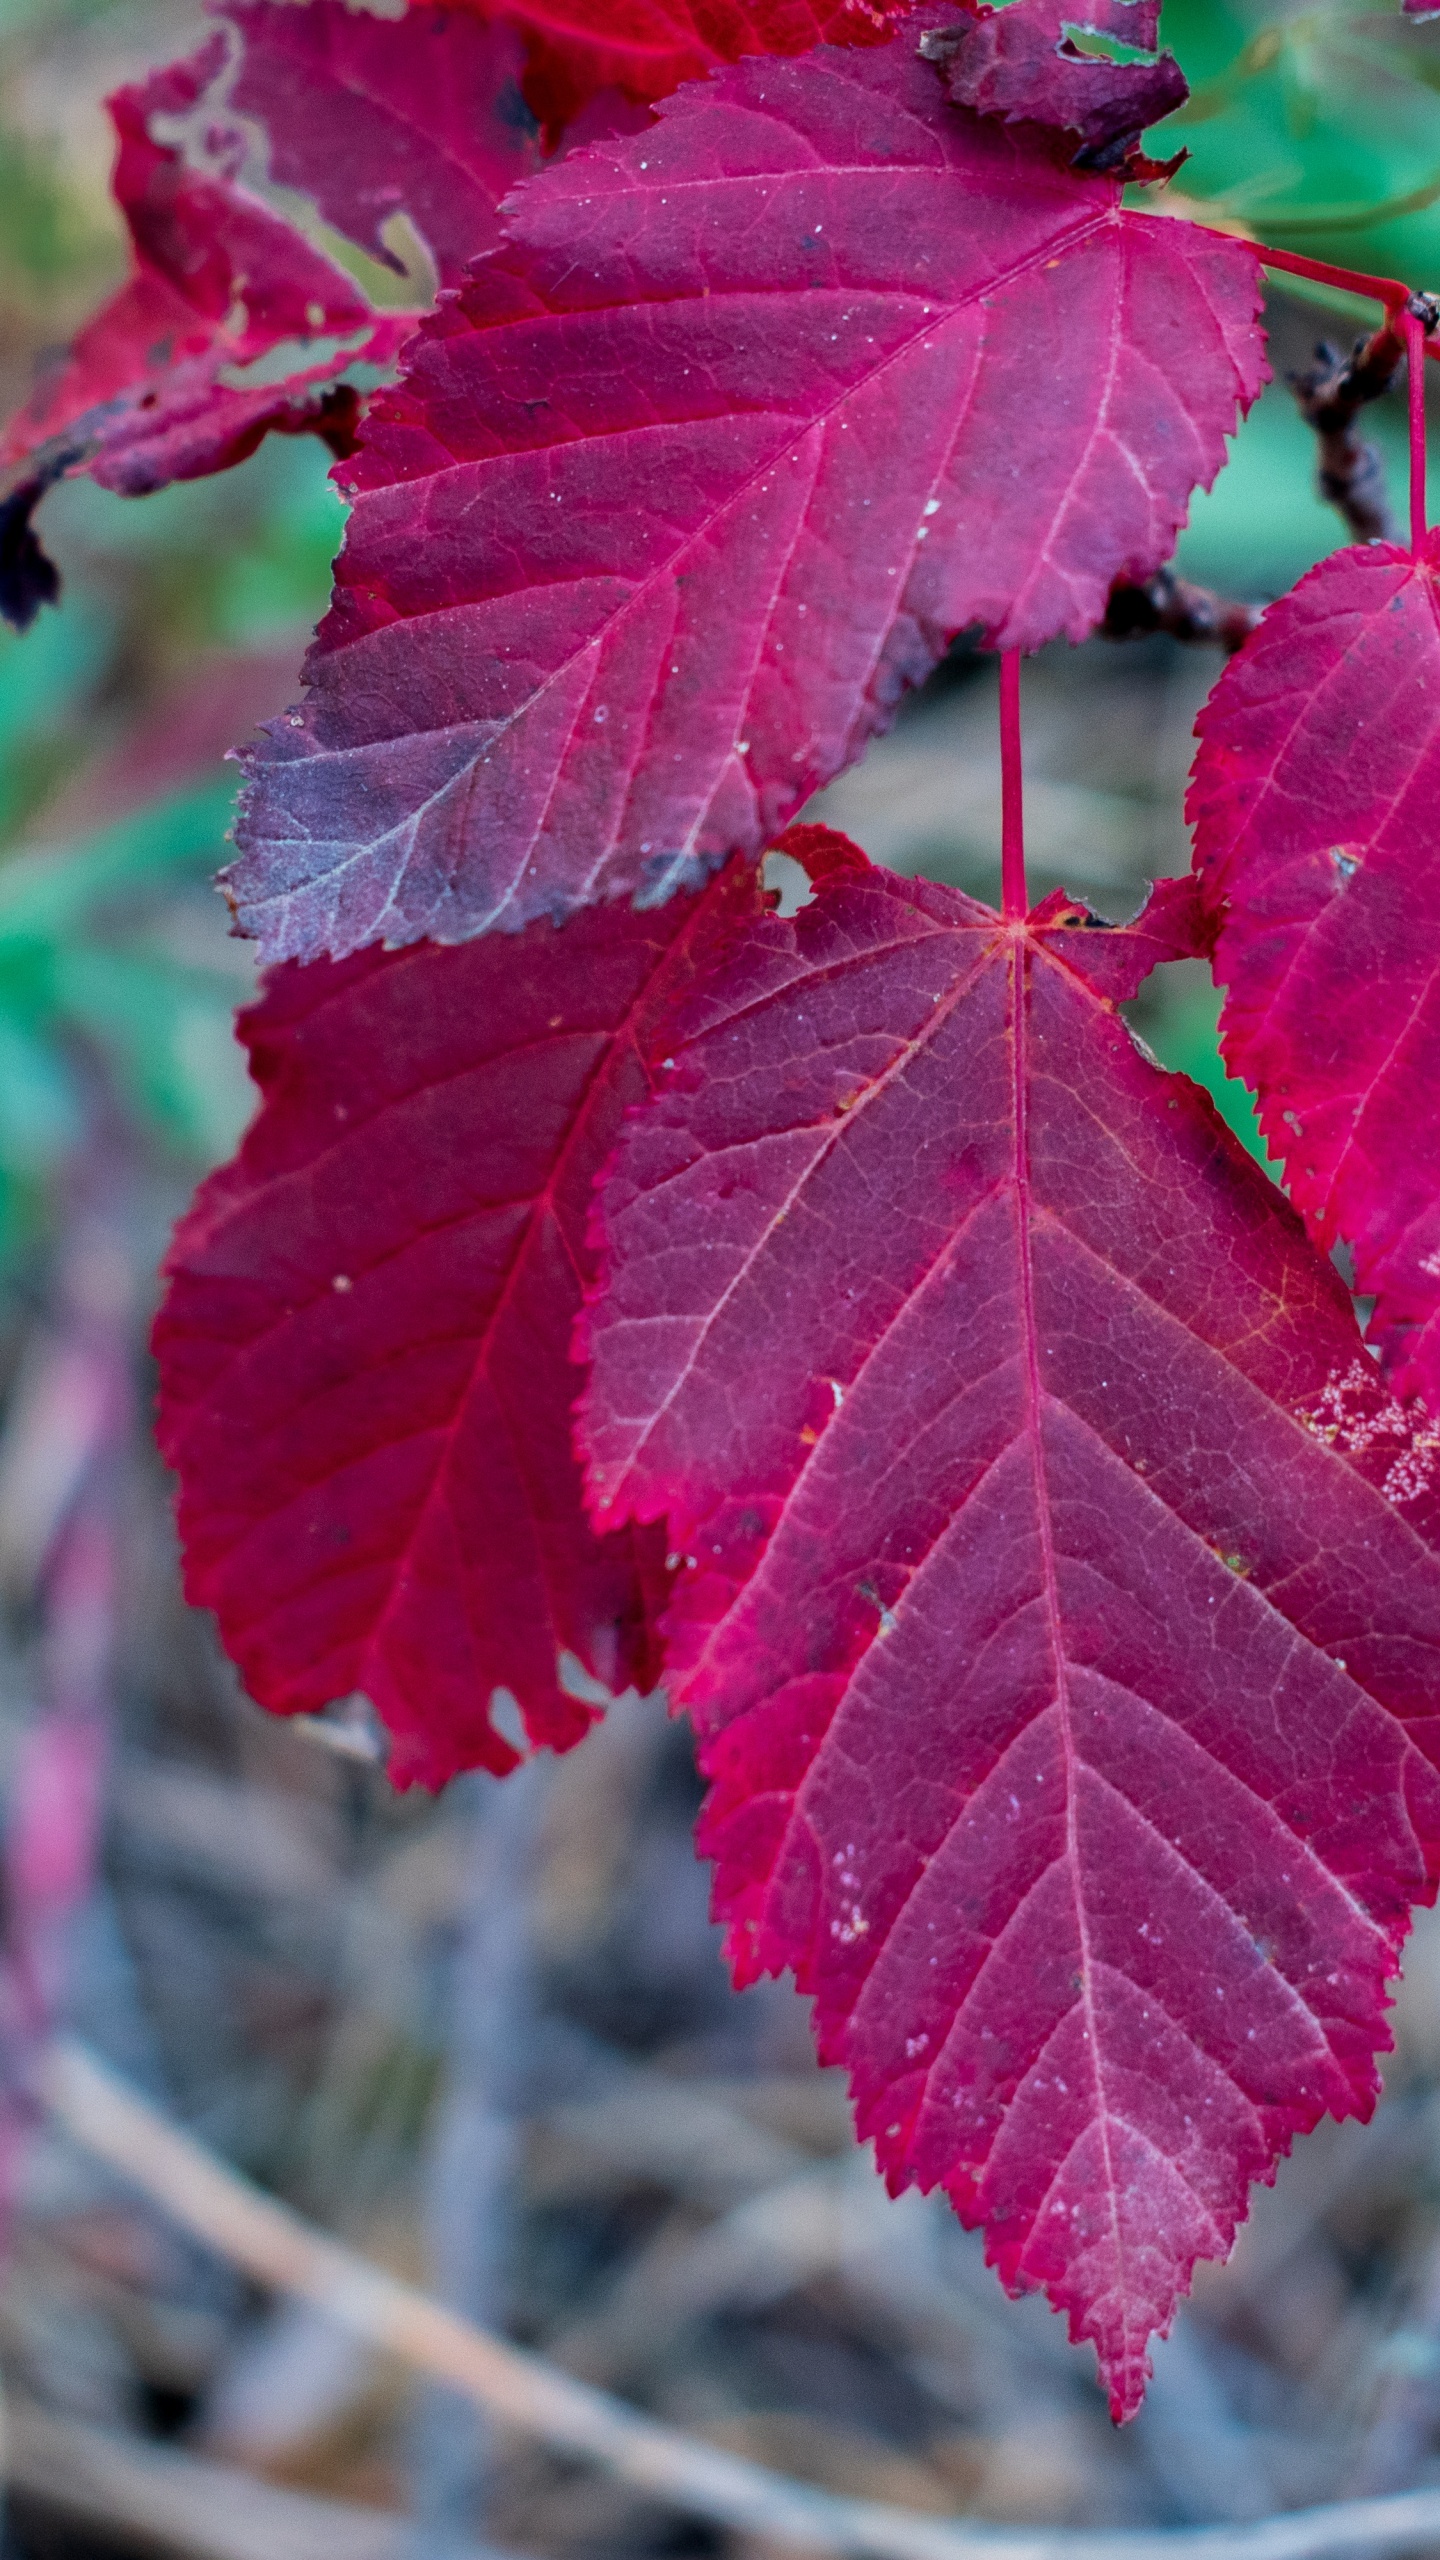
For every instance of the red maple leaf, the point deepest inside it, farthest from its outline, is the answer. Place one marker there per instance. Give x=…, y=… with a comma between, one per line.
x=1060, y=1598
x=751, y=416
x=645, y=48
x=364, y=1352
x=1021, y=62
x=1314, y=799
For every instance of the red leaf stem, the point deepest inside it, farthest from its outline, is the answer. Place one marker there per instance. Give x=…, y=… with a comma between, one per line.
x=1014, y=895
x=1413, y=325
x=1386, y=289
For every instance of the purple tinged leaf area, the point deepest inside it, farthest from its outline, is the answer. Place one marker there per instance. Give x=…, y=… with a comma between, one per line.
x=1020, y=62
x=753, y=413
x=154, y=387
x=232, y=325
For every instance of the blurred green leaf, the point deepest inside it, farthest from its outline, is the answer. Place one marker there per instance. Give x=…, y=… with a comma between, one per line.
x=1316, y=126
x=46, y=677
x=20, y=18
x=40, y=1114
x=1264, y=522
x=167, y=1032
x=81, y=970
x=47, y=891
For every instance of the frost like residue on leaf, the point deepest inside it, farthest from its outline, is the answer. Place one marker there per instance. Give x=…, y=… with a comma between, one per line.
x=1346, y=1415
x=1062, y=1644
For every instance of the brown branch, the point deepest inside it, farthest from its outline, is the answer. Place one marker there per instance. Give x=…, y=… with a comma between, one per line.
x=1137, y=607
x=1330, y=395
x=171, y=2501
x=280, y=2250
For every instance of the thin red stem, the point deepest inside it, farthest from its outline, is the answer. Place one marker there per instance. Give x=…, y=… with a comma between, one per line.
x=1414, y=327
x=1014, y=896
x=1380, y=288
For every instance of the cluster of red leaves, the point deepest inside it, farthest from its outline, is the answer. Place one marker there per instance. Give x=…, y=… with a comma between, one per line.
x=1024, y=1588
x=966, y=1427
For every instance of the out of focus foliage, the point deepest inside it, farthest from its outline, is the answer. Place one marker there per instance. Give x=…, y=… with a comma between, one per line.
x=1316, y=126
x=180, y=624
x=1317, y=129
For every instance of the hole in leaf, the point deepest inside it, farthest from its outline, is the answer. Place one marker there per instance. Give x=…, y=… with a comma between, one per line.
x=508, y=1722
x=788, y=882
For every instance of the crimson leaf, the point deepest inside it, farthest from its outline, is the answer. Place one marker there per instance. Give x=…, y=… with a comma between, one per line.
x=1060, y=1610
x=372, y=116
x=364, y=1352
x=755, y=412
x=1314, y=800
x=579, y=48
x=1021, y=63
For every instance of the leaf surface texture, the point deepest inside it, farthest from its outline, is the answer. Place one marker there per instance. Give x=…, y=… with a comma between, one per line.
x=756, y=410
x=1066, y=1684
x=1314, y=799
x=364, y=1352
